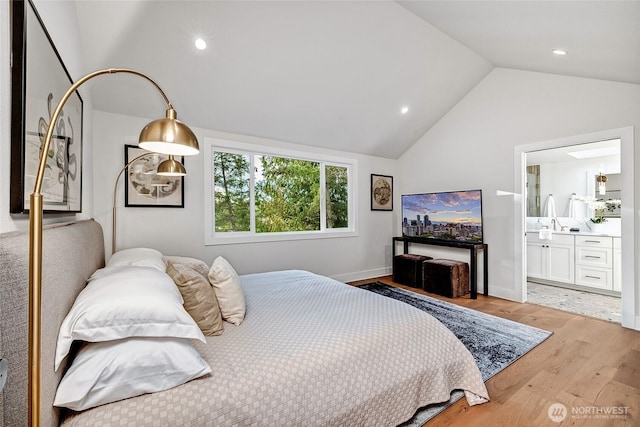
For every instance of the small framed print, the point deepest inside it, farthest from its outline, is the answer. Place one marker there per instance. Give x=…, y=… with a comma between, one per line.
x=381, y=192
x=145, y=188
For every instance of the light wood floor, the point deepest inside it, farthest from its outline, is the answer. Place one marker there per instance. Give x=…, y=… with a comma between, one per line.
x=587, y=364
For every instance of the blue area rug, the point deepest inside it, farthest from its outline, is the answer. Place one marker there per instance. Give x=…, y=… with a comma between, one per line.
x=494, y=342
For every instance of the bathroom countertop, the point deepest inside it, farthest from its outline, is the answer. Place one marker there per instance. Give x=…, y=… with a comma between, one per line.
x=578, y=233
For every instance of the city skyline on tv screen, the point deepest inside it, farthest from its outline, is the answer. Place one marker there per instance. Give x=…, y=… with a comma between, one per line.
x=454, y=215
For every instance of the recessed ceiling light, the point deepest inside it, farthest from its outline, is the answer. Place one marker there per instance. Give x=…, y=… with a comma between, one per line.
x=404, y=110
x=559, y=52
x=201, y=44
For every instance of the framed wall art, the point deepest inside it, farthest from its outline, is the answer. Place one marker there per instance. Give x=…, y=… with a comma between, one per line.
x=381, y=192
x=145, y=188
x=39, y=79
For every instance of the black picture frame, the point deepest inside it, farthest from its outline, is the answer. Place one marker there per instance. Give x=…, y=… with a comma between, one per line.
x=144, y=188
x=39, y=79
x=381, y=192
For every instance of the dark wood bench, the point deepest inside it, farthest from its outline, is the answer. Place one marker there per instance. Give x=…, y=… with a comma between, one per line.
x=407, y=269
x=445, y=277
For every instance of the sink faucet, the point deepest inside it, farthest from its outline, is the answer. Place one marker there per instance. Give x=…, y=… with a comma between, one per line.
x=556, y=224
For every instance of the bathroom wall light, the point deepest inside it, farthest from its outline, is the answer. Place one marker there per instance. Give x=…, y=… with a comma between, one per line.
x=601, y=179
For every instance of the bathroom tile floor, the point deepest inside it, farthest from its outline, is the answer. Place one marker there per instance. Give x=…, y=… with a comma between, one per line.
x=586, y=303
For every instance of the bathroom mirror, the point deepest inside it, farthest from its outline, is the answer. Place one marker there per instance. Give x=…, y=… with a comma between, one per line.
x=572, y=170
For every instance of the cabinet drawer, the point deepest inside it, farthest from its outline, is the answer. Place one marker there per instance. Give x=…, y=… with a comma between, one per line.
x=595, y=277
x=596, y=257
x=560, y=239
x=594, y=241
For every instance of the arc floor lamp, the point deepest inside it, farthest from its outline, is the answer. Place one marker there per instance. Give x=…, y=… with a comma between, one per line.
x=167, y=136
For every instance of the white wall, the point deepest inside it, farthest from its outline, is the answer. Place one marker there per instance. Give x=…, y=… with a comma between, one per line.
x=473, y=147
x=181, y=231
x=61, y=21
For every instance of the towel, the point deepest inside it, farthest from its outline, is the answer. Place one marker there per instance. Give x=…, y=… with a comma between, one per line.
x=571, y=209
x=550, y=207
x=545, y=234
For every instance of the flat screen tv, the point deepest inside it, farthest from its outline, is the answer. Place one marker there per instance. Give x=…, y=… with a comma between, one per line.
x=451, y=216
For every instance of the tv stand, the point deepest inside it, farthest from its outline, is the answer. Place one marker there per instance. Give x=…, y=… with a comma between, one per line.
x=473, y=251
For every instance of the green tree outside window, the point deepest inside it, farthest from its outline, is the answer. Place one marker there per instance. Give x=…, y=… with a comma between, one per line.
x=287, y=194
x=231, y=188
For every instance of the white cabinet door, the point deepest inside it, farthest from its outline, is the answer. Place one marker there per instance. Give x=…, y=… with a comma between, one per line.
x=551, y=260
x=536, y=260
x=560, y=264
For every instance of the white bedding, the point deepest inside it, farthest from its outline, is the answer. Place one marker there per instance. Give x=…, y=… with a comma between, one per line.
x=311, y=351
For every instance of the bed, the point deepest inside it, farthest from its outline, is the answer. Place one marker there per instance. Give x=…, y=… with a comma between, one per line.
x=310, y=351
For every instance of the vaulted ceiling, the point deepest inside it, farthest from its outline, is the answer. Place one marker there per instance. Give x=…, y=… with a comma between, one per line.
x=336, y=74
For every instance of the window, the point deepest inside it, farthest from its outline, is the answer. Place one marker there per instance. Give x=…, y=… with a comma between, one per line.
x=256, y=193
x=231, y=192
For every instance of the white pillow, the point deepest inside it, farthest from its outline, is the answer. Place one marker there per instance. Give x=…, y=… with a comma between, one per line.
x=121, y=302
x=109, y=371
x=197, y=264
x=225, y=282
x=138, y=257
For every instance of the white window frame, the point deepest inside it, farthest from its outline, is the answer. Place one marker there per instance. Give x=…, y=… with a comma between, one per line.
x=222, y=238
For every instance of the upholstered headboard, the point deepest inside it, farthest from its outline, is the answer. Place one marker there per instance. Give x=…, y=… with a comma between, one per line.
x=71, y=253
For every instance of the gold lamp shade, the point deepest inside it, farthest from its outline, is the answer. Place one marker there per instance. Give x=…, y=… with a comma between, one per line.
x=171, y=167
x=169, y=136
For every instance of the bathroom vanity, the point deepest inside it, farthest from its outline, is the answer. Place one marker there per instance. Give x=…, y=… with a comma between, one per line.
x=582, y=260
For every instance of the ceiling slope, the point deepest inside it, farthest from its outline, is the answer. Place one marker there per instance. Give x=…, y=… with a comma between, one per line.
x=335, y=74
x=326, y=74
x=602, y=37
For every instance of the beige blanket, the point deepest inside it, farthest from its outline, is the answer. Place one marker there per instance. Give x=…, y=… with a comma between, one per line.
x=312, y=352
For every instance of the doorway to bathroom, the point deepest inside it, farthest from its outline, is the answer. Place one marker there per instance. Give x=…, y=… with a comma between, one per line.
x=571, y=265
x=575, y=255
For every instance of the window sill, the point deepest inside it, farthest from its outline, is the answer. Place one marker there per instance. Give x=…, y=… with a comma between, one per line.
x=240, y=238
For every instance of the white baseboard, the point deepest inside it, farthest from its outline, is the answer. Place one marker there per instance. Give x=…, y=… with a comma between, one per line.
x=361, y=275
x=635, y=326
x=503, y=293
